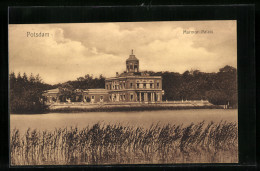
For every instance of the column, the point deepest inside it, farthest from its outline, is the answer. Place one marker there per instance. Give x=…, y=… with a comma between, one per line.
x=145, y=96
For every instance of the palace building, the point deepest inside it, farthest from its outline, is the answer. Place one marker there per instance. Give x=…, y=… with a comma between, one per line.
x=51, y=95
x=133, y=85
x=95, y=95
x=129, y=86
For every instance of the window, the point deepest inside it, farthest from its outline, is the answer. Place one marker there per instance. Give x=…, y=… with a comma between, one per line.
x=144, y=85
x=101, y=97
x=110, y=86
x=132, y=97
x=124, y=97
x=158, y=85
x=131, y=85
x=151, y=85
x=137, y=85
x=92, y=97
x=107, y=87
x=135, y=68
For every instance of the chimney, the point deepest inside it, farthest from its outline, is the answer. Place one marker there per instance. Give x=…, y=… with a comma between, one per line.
x=117, y=74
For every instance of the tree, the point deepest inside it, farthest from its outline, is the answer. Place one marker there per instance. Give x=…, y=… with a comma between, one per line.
x=12, y=80
x=26, y=97
x=217, y=97
x=38, y=79
x=66, y=91
x=80, y=98
x=228, y=69
x=25, y=78
x=31, y=79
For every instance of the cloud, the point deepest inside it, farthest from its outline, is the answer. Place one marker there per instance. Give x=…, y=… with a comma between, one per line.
x=73, y=50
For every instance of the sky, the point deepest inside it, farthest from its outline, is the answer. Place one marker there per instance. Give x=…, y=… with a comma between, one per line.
x=76, y=49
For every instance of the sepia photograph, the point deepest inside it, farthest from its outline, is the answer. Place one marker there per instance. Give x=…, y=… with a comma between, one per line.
x=120, y=93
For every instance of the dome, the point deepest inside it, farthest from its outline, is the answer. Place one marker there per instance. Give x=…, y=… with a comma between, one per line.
x=132, y=63
x=132, y=57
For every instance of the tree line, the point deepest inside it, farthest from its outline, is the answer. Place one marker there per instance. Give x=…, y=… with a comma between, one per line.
x=86, y=82
x=219, y=88
x=26, y=93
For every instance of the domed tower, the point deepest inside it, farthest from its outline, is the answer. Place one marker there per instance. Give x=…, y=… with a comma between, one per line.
x=132, y=63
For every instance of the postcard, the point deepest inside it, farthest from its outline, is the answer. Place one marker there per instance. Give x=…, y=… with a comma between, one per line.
x=108, y=93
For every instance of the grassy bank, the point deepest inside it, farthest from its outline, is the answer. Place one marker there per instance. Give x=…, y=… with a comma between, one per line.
x=132, y=108
x=117, y=144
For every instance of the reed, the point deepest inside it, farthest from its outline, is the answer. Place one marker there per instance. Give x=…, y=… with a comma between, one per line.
x=118, y=144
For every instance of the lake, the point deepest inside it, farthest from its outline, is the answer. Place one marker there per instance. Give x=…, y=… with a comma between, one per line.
x=144, y=119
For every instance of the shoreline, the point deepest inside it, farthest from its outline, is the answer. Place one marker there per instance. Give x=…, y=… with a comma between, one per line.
x=69, y=109
x=129, y=109
x=78, y=107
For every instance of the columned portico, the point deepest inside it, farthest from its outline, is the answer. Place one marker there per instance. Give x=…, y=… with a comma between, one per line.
x=153, y=97
x=147, y=96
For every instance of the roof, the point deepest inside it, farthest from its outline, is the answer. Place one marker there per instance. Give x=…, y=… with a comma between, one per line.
x=134, y=76
x=124, y=74
x=132, y=58
x=96, y=91
x=143, y=74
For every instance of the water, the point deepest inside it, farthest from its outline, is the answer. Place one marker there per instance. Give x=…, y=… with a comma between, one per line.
x=138, y=118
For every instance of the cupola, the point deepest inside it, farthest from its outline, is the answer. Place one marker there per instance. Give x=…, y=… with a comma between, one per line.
x=132, y=63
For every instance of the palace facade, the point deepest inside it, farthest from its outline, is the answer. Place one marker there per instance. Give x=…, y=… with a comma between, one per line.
x=129, y=86
x=133, y=85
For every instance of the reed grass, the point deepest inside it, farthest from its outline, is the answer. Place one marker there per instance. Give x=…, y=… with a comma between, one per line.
x=118, y=144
